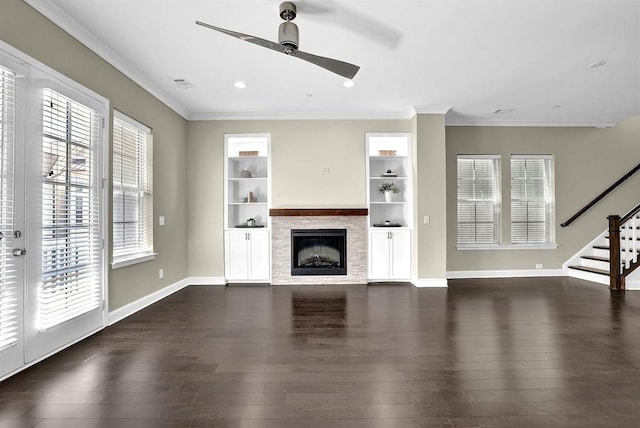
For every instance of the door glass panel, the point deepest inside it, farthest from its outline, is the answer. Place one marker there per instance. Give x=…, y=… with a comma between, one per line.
x=71, y=241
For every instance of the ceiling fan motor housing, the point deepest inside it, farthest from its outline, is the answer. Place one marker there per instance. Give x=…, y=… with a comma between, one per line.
x=288, y=35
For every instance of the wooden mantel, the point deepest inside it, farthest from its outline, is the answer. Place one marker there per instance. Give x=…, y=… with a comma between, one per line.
x=320, y=212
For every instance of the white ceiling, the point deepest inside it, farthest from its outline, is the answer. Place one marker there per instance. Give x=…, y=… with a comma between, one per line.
x=475, y=56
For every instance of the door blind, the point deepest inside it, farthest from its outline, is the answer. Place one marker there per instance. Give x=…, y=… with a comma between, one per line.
x=132, y=189
x=478, y=199
x=531, y=200
x=71, y=241
x=8, y=275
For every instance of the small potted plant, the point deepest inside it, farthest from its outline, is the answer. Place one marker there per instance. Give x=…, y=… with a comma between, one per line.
x=388, y=188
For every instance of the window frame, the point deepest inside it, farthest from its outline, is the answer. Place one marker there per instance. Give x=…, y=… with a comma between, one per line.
x=145, y=254
x=497, y=207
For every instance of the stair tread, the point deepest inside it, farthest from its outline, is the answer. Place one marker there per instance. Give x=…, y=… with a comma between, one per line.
x=604, y=247
x=624, y=238
x=600, y=259
x=589, y=269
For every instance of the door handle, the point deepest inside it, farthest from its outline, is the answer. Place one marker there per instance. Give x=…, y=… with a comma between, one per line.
x=17, y=252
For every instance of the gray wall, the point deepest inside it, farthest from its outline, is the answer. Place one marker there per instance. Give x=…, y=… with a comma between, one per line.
x=27, y=30
x=430, y=176
x=587, y=161
x=299, y=149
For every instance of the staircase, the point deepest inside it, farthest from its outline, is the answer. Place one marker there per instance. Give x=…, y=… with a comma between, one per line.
x=593, y=262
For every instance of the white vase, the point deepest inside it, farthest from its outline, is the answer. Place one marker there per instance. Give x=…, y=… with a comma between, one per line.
x=388, y=196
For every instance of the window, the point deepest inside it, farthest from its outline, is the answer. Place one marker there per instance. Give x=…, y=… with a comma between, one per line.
x=478, y=199
x=132, y=191
x=532, y=199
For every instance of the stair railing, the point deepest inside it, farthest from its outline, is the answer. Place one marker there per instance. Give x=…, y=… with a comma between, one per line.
x=601, y=196
x=623, y=247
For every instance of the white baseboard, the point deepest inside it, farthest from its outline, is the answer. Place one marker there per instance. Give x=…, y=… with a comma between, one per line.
x=430, y=282
x=206, y=280
x=511, y=273
x=133, y=307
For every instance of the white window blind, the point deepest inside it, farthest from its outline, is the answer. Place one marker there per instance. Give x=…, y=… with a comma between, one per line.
x=478, y=199
x=71, y=241
x=531, y=199
x=8, y=280
x=132, y=189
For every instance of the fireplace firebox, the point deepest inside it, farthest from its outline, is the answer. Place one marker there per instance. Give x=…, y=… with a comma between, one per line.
x=318, y=252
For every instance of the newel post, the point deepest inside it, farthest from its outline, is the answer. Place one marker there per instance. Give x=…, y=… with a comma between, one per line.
x=615, y=278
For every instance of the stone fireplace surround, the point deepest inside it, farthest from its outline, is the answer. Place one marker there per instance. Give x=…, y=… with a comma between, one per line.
x=354, y=220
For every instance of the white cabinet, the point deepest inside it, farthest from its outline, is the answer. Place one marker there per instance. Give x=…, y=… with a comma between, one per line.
x=390, y=255
x=247, y=198
x=247, y=255
x=390, y=220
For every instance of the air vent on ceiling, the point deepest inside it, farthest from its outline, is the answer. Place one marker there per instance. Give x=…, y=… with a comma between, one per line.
x=502, y=111
x=182, y=83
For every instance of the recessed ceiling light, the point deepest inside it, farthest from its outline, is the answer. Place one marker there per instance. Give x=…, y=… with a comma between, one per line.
x=502, y=111
x=308, y=95
x=556, y=106
x=349, y=84
x=240, y=85
x=597, y=64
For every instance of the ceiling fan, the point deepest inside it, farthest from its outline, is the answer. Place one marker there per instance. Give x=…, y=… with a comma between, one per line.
x=288, y=43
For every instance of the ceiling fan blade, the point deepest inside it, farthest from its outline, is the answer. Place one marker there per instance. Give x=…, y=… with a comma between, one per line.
x=342, y=68
x=247, y=38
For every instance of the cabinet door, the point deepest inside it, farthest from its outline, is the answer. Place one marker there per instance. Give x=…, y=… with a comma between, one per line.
x=259, y=266
x=400, y=256
x=236, y=255
x=379, y=254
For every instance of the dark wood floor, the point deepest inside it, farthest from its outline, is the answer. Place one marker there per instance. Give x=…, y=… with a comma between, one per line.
x=552, y=352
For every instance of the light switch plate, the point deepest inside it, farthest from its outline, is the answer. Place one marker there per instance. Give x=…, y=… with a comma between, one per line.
x=161, y=220
x=427, y=220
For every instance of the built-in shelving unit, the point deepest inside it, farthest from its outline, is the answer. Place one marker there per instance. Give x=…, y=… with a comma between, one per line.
x=399, y=210
x=390, y=218
x=247, y=199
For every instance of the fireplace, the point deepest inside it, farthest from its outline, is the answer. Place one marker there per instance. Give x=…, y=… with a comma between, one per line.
x=318, y=252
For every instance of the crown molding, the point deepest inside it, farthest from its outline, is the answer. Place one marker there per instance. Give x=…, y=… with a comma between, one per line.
x=414, y=110
x=56, y=15
x=388, y=115
x=531, y=123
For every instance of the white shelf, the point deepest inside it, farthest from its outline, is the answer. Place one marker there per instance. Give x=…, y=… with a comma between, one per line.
x=389, y=203
x=247, y=178
x=388, y=178
x=241, y=158
x=247, y=203
x=388, y=157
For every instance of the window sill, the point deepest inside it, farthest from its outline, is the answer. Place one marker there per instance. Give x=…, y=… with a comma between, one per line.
x=128, y=261
x=467, y=247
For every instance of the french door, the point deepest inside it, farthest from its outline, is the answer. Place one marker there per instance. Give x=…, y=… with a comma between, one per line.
x=11, y=222
x=51, y=251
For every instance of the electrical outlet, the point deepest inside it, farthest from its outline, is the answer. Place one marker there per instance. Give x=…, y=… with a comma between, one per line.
x=539, y=266
x=324, y=170
x=161, y=273
x=427, y=220
x=161, y=220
